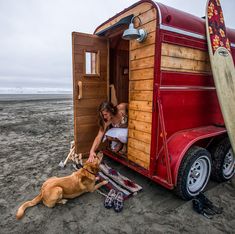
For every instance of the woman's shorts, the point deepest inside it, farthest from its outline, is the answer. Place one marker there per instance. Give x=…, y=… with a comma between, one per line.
x=120, y=133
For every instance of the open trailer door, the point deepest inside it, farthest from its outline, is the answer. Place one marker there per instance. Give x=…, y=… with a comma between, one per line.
x=90, y=86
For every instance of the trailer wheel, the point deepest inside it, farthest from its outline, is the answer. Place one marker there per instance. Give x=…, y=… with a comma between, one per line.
x=194, y=173
x=223, y=161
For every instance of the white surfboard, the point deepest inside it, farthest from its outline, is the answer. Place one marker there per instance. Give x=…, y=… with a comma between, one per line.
x=222, y=65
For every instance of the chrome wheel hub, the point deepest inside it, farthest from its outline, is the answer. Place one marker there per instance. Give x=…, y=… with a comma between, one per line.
x=198, y=175
x=229, y=163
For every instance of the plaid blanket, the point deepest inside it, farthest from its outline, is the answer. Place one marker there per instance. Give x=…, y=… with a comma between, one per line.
x=118, y=181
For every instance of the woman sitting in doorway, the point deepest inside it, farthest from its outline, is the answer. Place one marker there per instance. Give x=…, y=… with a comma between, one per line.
x=113, y=122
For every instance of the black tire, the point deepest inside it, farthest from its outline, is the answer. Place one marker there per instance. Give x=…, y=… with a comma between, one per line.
x=222, y=161
x=194, y=173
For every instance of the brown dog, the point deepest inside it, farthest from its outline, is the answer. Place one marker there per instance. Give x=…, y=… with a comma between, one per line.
x=56, y=190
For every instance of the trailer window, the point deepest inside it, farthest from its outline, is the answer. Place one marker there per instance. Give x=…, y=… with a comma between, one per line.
x=91, y=63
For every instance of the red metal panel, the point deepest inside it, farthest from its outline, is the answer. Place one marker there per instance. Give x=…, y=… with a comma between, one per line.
x=181, y=20
x=180, y=142
x=184, y=21
x=184, y=109
x=186, y=79
x=175, y=38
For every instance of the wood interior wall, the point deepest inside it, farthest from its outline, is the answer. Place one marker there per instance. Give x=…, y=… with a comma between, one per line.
x=140, y=85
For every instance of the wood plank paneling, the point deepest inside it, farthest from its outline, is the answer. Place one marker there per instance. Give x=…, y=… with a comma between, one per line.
x=94, y=90
x=87, y=107
x=184, y=52
x=139, y=145
x=139, y=162
x=142, y=74
x=85, y=133
x=87, y=119
x=143, y=52
x=139, y=154
x=140, y=84
x=143, y=85
x=149, y=27
x=179, y=64
x=93, y=41
x=141, y=95
x=140, y=126
x=148, y=41
x=84, y=147
x=138, y=157
x=138, y=10
x=142, y=136
x=140, y=116
x=142, y=63
x=147, y=16
x=184, y=59
x=140, y=106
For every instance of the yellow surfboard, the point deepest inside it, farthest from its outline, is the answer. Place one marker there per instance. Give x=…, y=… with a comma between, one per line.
x=222, y=65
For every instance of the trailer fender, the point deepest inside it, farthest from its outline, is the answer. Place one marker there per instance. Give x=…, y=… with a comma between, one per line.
x=179, y=143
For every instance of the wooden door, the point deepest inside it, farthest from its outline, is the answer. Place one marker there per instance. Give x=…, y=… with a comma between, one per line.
x=90, y=82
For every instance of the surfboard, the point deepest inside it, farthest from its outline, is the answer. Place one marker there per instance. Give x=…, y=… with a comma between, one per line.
x=221, y=64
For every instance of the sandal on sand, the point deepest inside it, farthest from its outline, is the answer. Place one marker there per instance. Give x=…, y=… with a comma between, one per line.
x=209, y=204
x=200, y=209
x=108, y=202
x=118, y=202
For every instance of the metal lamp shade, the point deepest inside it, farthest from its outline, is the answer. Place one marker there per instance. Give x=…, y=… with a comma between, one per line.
x=131, y=33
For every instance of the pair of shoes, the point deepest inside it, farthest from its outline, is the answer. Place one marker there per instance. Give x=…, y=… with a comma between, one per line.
x=200, y=209
x=209, y=204
x=118, y=202
x=202, y=205
x=108, y=202
x=114, y=200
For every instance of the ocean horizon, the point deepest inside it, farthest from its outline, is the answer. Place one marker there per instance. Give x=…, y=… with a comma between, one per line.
x=37, y=96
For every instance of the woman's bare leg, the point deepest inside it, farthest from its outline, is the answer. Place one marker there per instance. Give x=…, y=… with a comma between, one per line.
x=118, y=146
x=124, y=149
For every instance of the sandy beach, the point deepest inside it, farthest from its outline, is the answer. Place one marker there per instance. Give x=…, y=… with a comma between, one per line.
x=35, y=136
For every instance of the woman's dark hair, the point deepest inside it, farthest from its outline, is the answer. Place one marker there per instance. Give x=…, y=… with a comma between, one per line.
x=106, y=106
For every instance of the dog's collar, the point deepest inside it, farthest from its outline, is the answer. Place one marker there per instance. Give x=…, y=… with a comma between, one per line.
x=77, y=166
x=89, y=171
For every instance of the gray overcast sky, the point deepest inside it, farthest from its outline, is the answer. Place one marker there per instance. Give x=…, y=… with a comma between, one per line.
x=35, y=36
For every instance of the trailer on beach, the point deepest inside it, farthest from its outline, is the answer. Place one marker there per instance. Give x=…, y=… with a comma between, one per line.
x=176, y=132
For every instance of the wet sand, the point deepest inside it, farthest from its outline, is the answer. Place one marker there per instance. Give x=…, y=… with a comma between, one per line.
x=35, y=136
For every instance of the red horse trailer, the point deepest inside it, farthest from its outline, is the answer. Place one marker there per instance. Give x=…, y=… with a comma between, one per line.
x=176, y=133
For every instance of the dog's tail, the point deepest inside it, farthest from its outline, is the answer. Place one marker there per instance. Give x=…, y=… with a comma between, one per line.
x=23, y=207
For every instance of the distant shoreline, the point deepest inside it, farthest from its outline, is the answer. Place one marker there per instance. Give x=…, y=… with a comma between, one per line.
x=32, y=97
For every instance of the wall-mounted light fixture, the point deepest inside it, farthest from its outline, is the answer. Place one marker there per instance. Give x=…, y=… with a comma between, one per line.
x=133, y=33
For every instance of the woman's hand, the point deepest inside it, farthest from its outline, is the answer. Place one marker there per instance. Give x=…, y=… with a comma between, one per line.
x=91, y=157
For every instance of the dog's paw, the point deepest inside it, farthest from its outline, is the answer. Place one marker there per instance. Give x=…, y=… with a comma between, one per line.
x=63, y=201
